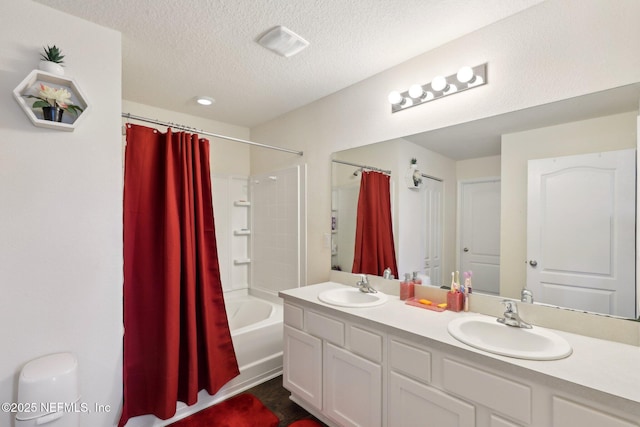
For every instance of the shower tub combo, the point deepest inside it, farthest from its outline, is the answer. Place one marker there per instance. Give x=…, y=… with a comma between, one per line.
x=256, y=331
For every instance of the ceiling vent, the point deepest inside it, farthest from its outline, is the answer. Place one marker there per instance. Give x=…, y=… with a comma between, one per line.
x=283, y=41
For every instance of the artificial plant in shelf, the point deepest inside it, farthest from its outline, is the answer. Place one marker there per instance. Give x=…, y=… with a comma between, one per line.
x=54, y=102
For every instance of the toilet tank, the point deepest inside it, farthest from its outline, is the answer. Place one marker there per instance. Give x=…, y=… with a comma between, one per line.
x=48, y=384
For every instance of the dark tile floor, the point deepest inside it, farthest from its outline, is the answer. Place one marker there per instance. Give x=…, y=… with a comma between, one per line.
x=276, y=398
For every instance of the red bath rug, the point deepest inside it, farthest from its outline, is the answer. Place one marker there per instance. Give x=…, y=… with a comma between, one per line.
x=305, y=423
x=243, y=410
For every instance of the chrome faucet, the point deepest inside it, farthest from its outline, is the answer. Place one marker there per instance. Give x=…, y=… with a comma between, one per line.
x=511, y=316
x=526, y=296
x=364, y=286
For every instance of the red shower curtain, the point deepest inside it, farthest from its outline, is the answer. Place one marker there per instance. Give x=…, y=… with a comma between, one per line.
x=374, y=250
x=176, y=333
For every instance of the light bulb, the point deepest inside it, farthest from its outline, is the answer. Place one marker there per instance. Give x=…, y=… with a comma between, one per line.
x=465, y=75
x=438, y=83
x=416, y=91
x=395, y=98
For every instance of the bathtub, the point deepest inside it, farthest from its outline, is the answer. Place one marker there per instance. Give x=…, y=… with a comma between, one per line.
x=256, y=332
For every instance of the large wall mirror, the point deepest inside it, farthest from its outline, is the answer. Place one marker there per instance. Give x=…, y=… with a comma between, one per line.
x=542, y=198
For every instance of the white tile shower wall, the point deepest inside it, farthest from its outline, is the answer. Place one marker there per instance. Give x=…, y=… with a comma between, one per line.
x=231, y=221
x=276, y=225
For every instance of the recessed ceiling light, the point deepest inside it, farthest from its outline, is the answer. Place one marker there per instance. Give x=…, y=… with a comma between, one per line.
x=205, y=100
x=283, y=41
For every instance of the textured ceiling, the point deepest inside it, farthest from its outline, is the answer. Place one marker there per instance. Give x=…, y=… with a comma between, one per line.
x=176, y=50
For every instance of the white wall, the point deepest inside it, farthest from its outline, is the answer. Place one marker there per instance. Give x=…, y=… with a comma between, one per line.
x=482, y=167
x=556, y=50
x=61, y=211
x=617, y=132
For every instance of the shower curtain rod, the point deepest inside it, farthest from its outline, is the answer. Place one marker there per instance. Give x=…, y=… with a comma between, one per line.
x=424, y=175
x=202, y=132
x=362, y=166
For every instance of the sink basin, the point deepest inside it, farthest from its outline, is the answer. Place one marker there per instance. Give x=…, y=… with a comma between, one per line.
x=351, y=297
x=486, y=334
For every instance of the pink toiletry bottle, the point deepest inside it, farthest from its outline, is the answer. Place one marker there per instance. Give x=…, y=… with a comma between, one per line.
x=406, y=287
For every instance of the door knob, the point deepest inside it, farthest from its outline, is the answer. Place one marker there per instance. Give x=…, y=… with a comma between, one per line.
x=533, y=263
x=466, y=249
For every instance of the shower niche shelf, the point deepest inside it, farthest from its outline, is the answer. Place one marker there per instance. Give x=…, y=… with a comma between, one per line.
x=241, y=261
x=30, y=86
x=241, y=232
x=241, y=203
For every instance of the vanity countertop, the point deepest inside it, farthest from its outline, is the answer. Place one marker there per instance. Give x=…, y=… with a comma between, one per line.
x=605, y=366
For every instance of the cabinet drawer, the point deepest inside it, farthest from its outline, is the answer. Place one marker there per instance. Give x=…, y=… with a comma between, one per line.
x=507, y=397
x=410, y=360
x=415, y=404
x=365, y=343
x=324, y=327
x=293, y=316
x=566, y=412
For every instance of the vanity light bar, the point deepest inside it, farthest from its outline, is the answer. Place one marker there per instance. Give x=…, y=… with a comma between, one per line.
x=466, y=78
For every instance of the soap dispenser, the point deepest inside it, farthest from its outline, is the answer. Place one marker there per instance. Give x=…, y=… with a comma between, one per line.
x=407, y=289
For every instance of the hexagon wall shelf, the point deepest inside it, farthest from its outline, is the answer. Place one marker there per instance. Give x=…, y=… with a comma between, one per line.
x=30, y=86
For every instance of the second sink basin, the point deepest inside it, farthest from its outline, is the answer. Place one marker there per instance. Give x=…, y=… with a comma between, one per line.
x=351, y=297
x=486, y=334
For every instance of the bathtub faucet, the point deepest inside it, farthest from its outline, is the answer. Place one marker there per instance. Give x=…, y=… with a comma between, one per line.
x=364, y=286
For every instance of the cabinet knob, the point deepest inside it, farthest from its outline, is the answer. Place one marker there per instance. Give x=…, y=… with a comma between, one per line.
x=533, y=263
x=466, y=249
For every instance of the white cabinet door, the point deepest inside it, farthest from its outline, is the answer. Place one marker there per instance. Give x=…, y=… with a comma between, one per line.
x=302, y=360
x=352, y=388
x=412, y=404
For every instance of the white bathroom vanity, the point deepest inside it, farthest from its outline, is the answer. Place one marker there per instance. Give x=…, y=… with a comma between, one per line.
x=395, y=365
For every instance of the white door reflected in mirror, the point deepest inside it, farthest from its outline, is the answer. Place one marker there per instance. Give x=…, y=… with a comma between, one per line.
x=582, y=254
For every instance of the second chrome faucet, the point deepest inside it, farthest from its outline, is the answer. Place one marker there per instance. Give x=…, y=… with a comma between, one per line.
x=511, y=316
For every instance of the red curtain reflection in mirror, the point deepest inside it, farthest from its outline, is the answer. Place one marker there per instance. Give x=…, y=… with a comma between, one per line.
x=375, y=249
